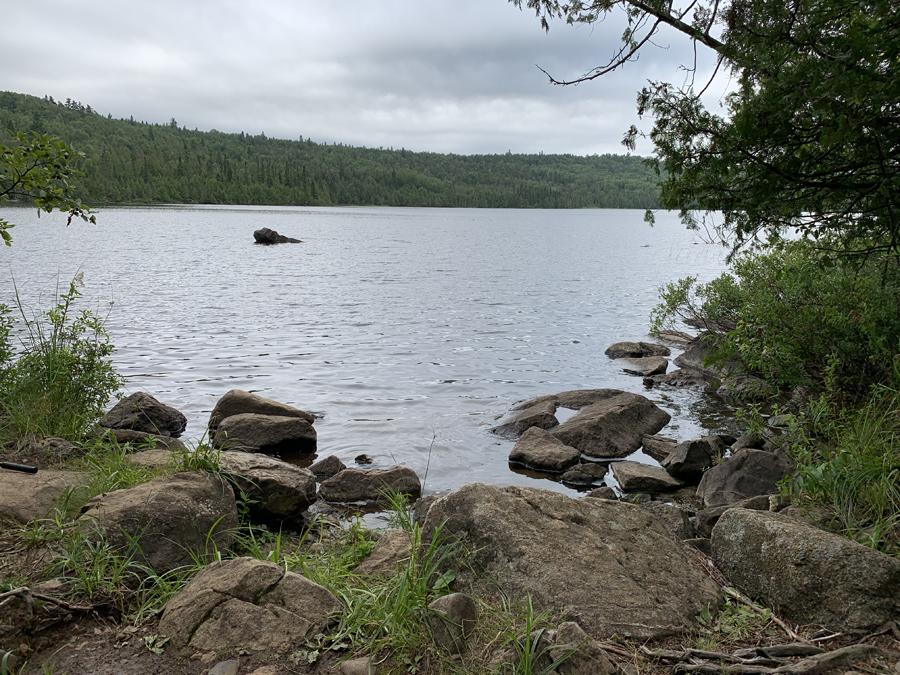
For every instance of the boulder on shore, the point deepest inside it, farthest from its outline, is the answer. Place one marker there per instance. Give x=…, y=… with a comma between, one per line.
x=359, y=485
x=601, y=560
x=248, y=604
x=269, y=434
x=28, y=496
x=540, y=415
x=142, y=412
x=268, y=237
x=540, y=450
x=167, y=521
x=237, y=402
x=747, y=473
x=636, y=476
x=807, y=575
x=636, y=350
x=614, y=427
x=646, y=366
x=276, y=490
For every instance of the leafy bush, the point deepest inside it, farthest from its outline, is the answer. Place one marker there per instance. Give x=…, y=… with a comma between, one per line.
x=58, y=383
x=796, y=316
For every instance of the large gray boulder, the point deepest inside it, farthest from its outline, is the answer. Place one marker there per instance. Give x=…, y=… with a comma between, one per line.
x=601, y=560
x=269, y=434
x=658, y=447
x=247, y=604
x=807, y=575
x=747, y=473
x=358, y=485
x=688, y=460
x=275, y=490
x=169, y=521
x=538, y=449
x=614, y=427
x=142, y=412
x=237, y=402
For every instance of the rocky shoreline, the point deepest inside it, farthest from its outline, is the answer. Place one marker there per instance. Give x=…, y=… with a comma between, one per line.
x=627, y=575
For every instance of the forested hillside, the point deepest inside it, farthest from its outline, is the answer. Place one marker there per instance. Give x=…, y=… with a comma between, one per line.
x=135, y=162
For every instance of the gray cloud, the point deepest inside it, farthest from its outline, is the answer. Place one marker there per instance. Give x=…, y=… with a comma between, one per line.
x=421, y=74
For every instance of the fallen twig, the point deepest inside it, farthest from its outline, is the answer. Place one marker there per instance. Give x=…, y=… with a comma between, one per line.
x=30, y=596
x=737, y=595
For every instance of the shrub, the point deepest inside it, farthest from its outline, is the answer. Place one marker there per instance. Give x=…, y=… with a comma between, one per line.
x=59, y=381
x=796, y=316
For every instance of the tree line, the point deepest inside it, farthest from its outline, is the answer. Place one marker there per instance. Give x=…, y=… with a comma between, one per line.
x=126, y=161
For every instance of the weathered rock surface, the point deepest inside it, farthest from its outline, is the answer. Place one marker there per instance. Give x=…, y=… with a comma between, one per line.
x=746, y=473
x=582, y=655
x=538, y=449
x=451, y=619
x=635, y=476
x=248, y=604
x=586, y=473
x=541, y=415
x=706, y=519
x=575, y=399
x=614, y=427
x=393, y=548
x=237, y=402
x=748, y=441
x=328, y=467
x=658, y=447
x=270, y=434
x=268, y=237
x=603, y=493
x=142, y=412
x=646, y=366
x=358, y=485
x=599, y=559
x=168, y=518
x=688, y=460
x=808, y=576
x=25, y=497
x=276, y=490
x=636, y=350
x=673, y=518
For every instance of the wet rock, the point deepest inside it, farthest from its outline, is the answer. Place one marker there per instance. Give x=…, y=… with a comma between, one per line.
x=142, y=412
x=328, y=467
x=603, y=493
x=358, y=485
x=614, y=427
x=678, y=378
x=688, y=460
x=451, y=619
x=586, y=473
x=646, y=366
x=167, y=521
x=275, y=490
x=811, y=576
x=673, y=518
x=636, y=350
x=599, y=559
x=540, y=450
x=270, y=434
x=747, y=473
x=634, y=476
x=658, y=447
x=238, y=402
x=25, y=497
x=394, y=547
x=541, y=415
x=267, y=237
x=247, y=604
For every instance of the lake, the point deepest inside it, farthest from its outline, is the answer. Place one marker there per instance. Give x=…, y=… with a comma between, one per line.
x=410, y=331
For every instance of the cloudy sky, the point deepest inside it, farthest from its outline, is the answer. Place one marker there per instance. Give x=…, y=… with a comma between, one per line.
x=436, y=75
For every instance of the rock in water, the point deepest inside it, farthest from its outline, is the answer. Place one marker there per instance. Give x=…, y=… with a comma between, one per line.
x=237, y=402
x=250, y=432
x=539, y=450
x=808, y=575
x=613, y=566
x=142, y=412
x=267, y=237
x=614, y=427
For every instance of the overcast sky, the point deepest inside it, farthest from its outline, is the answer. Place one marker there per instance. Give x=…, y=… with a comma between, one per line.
x=436, y=75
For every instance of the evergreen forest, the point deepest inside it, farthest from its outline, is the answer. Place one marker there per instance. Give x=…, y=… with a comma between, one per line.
x=126, y=161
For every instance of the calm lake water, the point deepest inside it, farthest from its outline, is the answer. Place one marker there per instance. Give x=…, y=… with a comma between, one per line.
x=409, y=330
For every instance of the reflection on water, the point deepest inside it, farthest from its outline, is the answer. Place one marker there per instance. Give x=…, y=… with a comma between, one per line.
x=409, y=330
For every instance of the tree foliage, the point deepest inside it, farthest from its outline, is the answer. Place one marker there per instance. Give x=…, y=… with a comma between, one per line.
x=134, y=162
x=39, y=169
x=808, y=138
